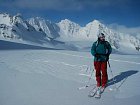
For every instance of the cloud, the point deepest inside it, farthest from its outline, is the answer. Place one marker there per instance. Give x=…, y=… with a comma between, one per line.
x=64, y=4
x=127, y=30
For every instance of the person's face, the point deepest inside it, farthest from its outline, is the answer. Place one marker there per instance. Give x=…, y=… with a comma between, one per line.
x=102, y=38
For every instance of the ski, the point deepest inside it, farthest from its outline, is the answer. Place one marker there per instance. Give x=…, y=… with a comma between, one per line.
x=92, y=92
x=96, y=92
x=102, y=90
x=97, y=96
x=99, y=92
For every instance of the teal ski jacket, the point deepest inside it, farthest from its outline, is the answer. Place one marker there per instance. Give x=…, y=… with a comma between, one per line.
x=101, y=50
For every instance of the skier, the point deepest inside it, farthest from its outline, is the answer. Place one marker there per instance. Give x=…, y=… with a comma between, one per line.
x=101, y=50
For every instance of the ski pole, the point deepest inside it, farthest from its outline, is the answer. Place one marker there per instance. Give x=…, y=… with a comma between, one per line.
x=112, y=75
x=90, y=78
x=87, y=84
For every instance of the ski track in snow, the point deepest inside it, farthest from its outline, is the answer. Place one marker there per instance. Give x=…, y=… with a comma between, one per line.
x=61, y=63
x=116, y=60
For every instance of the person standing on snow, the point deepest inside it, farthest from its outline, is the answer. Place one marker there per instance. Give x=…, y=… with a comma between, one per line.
x=101, y=50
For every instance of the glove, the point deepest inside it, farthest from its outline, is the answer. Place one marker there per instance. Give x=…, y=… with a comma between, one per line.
x=97, y=55
x=107, y=57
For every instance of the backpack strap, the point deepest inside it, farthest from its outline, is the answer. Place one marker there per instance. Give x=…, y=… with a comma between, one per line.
x=97, y=43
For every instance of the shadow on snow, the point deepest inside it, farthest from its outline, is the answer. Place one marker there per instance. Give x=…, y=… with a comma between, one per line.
x=6, y=45
x=121, y=77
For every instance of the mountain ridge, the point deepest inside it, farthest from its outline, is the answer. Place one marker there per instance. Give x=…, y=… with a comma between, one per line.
x=41, y=31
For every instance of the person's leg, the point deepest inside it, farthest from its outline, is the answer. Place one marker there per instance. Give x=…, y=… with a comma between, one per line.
x=97, y=66
x=104, y=73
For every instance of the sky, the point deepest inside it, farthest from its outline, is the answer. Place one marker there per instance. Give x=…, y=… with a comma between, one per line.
x=118, y=12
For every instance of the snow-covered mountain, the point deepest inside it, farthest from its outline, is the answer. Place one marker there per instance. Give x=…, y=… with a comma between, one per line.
x=35, y=31
x=16, y=28
x=69, y=30
x=50, y=29
x=72, y=31
x=41, y=31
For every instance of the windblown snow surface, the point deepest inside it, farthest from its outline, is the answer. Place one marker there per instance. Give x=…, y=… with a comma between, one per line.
x=53, y=77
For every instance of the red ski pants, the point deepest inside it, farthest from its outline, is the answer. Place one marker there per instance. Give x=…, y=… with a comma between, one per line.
x=101, y=73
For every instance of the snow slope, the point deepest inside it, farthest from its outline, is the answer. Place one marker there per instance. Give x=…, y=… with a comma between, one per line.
x=52, y=77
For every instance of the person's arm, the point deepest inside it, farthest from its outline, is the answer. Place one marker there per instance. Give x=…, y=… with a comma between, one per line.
x=93, y=49
x=109, y=48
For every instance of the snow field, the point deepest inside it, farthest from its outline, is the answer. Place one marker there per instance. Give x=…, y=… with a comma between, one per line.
x=50, y=77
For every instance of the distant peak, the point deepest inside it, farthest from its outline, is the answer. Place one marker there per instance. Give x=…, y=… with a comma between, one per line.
x=94, y=23
x=18, y=15
x=40, y=19
x=97, y=22
x=66, y=20
x=36, y=18
x=5, y=15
